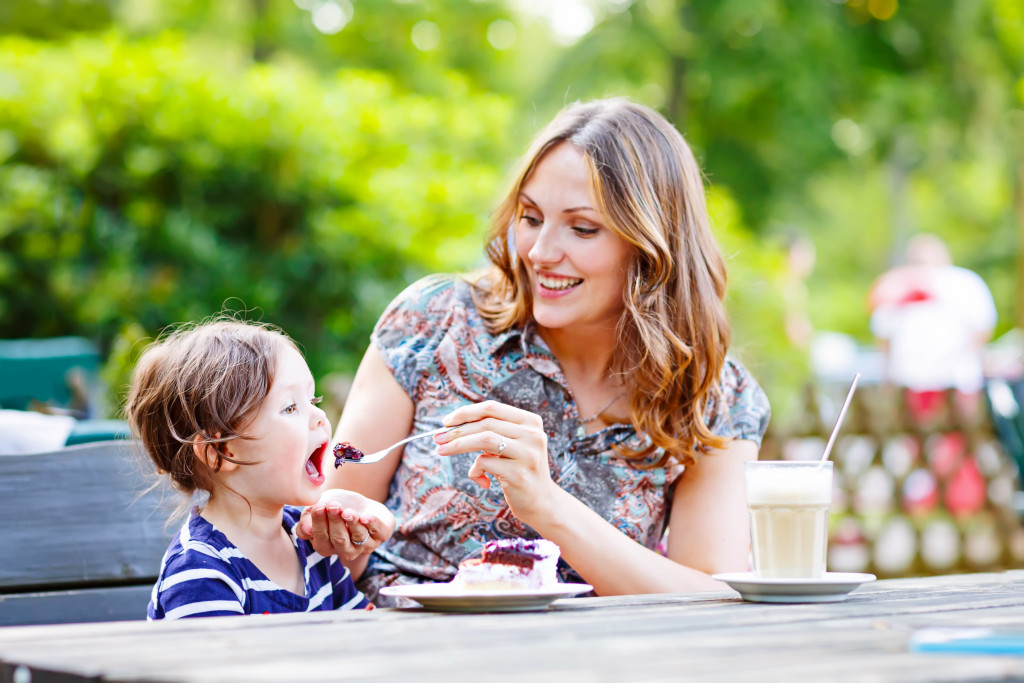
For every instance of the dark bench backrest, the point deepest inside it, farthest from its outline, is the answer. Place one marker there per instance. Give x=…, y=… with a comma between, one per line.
x=73, y=520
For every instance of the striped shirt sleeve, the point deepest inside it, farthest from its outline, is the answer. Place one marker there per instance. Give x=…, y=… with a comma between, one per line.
x=197, y=584
x=346, y=595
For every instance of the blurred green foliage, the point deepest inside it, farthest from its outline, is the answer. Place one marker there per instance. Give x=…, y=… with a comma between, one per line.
x=303, y=160
x=54, y=19
x=144, y=183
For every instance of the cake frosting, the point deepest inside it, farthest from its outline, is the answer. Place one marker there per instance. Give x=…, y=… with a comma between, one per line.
x=346, y=452
x=511, y=564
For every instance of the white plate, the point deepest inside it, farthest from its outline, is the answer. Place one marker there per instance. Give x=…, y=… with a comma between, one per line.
x=832, y=587
x=444, y=597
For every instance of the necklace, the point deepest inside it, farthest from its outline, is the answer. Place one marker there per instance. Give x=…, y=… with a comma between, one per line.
x=581, y=430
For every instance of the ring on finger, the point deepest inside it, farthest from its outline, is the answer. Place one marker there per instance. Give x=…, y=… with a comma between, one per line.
x=355, y=542
x=501, y=446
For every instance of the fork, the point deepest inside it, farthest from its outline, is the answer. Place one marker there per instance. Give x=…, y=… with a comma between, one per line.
x=346, y=452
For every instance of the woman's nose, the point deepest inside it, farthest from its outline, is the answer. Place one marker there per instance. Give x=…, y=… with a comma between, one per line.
x=545, y=247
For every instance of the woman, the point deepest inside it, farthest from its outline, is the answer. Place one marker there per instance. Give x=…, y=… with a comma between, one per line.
x=586, y=368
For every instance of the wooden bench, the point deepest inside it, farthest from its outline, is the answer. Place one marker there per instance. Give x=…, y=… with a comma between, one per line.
x=78, y=540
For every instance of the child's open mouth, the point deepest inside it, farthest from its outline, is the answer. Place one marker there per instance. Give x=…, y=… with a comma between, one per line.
x=314, y=464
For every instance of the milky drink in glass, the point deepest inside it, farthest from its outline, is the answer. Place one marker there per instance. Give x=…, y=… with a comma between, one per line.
x=788, y=503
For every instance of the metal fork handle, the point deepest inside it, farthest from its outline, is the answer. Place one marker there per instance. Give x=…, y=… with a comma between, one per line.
x=423, y=435
x=377, y=456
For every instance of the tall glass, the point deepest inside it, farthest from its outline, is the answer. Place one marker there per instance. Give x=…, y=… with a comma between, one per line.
x=789, y=503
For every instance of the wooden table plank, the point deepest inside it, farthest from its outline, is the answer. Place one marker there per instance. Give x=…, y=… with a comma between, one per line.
x=710, y=636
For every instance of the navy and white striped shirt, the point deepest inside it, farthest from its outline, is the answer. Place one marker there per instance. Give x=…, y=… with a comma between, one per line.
x=204, y=575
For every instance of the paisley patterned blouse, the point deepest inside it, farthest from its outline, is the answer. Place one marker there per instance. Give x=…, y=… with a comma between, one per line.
x=438, y=348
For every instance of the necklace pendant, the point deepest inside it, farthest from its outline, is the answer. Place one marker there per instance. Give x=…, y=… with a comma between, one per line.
x=581, y=431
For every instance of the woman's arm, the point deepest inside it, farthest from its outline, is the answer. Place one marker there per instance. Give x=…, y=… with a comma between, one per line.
x=708, y=533
x=709, y=512
x=709, y=516
x=377, y=413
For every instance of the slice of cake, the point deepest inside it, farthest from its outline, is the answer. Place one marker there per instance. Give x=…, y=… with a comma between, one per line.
x=510, y=564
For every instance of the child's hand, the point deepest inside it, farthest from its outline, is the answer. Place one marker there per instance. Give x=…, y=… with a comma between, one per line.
x=346, y=524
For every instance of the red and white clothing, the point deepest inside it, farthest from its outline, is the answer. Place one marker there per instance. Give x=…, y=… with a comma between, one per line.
x=932, y=318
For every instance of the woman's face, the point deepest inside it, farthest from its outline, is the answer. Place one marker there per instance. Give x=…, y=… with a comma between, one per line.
x=576, y=265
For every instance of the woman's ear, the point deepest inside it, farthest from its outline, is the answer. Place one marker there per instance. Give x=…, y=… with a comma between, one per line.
x=216, y=456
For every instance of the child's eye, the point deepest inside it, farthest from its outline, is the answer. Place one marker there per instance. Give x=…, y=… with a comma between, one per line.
x=290, y=408
x=316, y=400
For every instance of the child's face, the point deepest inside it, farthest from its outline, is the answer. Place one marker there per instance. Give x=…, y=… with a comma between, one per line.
x=288, y=438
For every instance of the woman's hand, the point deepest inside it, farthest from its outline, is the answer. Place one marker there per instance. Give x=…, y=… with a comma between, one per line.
x=515, y=452
x=346, y=524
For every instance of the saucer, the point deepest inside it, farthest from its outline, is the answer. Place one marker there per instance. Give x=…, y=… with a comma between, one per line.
x=832, y=587
x=444, y=597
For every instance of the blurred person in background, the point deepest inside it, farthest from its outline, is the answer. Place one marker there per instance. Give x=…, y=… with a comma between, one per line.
x=932, y=320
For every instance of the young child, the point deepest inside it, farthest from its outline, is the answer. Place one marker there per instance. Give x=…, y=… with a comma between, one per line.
x=229, y=408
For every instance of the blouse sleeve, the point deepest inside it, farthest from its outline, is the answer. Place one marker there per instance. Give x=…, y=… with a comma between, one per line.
x=741, y=410
x=412, y=327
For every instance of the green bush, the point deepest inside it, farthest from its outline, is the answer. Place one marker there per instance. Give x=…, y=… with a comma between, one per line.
x=143, y=184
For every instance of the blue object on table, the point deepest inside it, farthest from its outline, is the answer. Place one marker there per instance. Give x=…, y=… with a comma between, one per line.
x=967, y=641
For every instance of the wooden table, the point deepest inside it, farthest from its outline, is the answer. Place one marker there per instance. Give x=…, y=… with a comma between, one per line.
x=702, y=636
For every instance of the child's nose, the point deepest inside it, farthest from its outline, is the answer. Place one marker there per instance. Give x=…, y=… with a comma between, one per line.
x=319, y=417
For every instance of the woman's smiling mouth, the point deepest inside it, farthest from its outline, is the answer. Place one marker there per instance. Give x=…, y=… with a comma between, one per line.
x=557, y=284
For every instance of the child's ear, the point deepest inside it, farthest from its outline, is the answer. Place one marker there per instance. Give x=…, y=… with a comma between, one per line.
x=216, y=456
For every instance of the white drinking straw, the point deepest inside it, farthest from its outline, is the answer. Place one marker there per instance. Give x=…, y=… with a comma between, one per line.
x=842, y=414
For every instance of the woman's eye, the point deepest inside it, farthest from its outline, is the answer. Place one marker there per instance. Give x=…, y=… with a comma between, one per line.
x=532, y=221
x=583, y=231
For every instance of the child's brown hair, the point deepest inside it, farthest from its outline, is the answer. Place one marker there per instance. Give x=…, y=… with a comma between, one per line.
x=199, y=385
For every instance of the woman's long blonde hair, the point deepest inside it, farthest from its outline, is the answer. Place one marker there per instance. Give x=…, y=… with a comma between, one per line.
x=674, y=330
